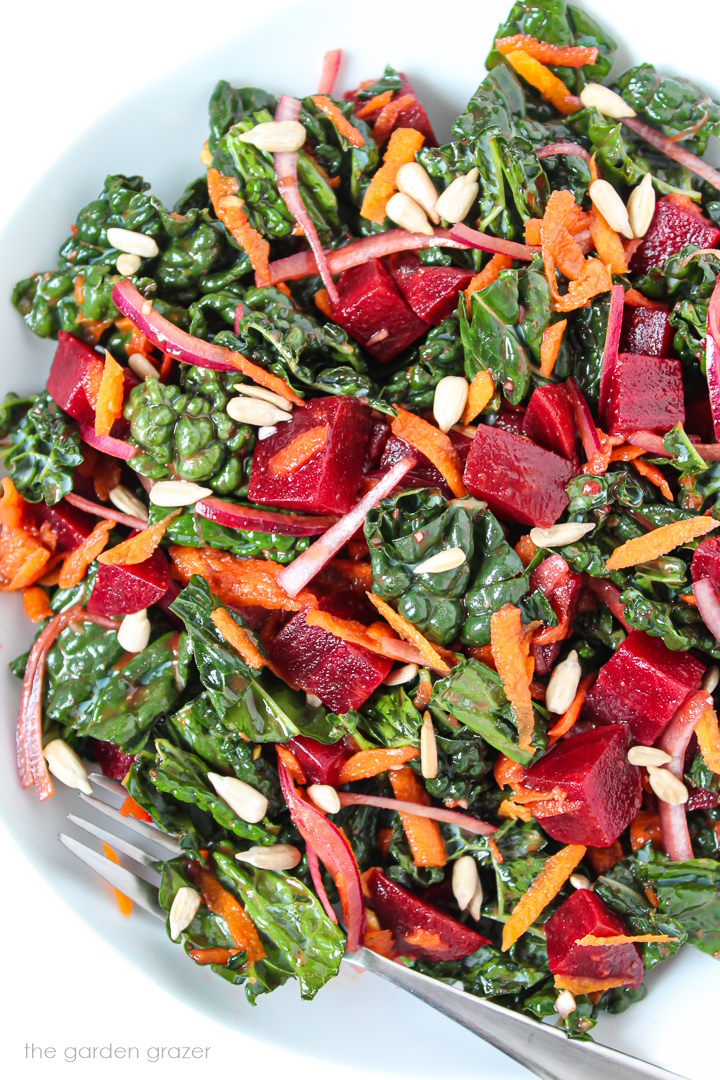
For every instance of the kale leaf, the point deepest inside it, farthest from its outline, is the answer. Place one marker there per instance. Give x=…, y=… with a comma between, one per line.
x=192, y=530
x=44, y=451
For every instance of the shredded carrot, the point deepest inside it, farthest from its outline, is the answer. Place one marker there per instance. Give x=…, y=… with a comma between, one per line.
x=599, y=462
x=424, y=691
x=525, y=549
x=557, y=55
x=588, y=986
x=380, y=941
x=633, y=298
x=239, y=638
x=708, y=737
x=110, y=396
x=223, y=904
x=533, y=231
x=358, y=575
x=291, y=763
x=423, y=834
x=510, y=646
x=603, y=859
x=595, y=279
x=626, y=452
x=217, y=955
x=434, y=444
x=543, y=80
x=36, y=604
x=76, y=563
x=495, y=852
x=298, y=451
x=374, y=104
x=229, y=210
x=489, y=273
x=131, y=809
x=480, y=394
x=322, y=303
x=569, y=717
x=659, y=542
x=335, y=116
x=368, y=763
x=410, y=633
x=624, y=939
x=653, y=474
x=644, y=829
x=238, y=582
x=608, y=243
x=105, y=476
x=508, y=808
x=403, y=145
x=543, y=889
x=139, y=547
x=388, y=117
x=550, y=346
x=124, y=902
x=23, y=558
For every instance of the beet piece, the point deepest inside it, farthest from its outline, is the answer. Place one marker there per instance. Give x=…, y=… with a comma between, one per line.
x=602, y=788
x=673, y=226
x=419, y=928
x=113, y=761
x=123, y=590
x=373, y=312
x=545, y=656
x=424, y=473
x=646, y=331
x=561, y=586
x=341, y=674
x=75, y=373
x=550, y=422
x=511, y=420
x=329, y=481
x=320, y=763
x=584, y=913
x=706, y=561
x=379, y=435
x=519, y=480
x=431, y=291
x=646, y=392
x=643, y=685
x=698, y=414
x=414, y=116
x=70, y=526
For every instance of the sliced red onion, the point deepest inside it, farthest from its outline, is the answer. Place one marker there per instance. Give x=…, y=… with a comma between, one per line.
x=609, y=595
x=612, y=344
x=304, y=568
x=648, y=440
x=285, y=164
x=401, y=806
x=570, y=149
x=329, y=73
x=316, y=875
x=239, y=314
x=712, y=356
x=474, y=239
x=683, y=157
x=583, y=420
x=674, y=741
x=708, y=602
x=107, y=512
x=334, y=852
x=106, y=444
x=259, y=520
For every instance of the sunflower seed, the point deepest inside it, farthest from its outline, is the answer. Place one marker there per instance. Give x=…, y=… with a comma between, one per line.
x=402, y=675
x=141, y=366
x=428, y=748
x=266, y=432
x=406, y=213
x=185, y=905
x=127, y=503
x=127, y=265
x=579, y=881
x=596, y=96
x=244, y=800
x=608, y=203
x=325, y=797
x=569, y=532
x=563, y=683
x=667, y=787
x=565, y=1004
x=66, y=766
x=276, y=857
x=275, y=136
x=475, y=905
x=135, y=243
x=313, y=701
x=449, y=559
x=413, y=180
x=449, y=401
x=252, y=391
x=456, y=200
x=205, y=155
x=648, y=755
x=177, y=493
x=711, y=678
x=133, y=633
x=250, y=410
x=465, y=880
x=641, y=206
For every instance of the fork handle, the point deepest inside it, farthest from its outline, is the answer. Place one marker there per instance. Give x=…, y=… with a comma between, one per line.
x=544, y=1050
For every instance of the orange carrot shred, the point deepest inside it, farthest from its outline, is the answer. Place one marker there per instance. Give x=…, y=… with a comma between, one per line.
x=423, y=834
x=626, y=452
x=139, y=547
x=424, y=692
x=388, y=117
x=480, y=394
x=544, y=81
x=229, y=210
x=543, y=889
x=708, y=737
x=624, y=939
x=266, y=378
x=603, y=859
x=508, y=808
x=571, y=714
x=374, y=104
x=403, y=145
x=634, y=298
x=489, y=273
x=76, y=563
x=223, y=904
x=644, y=829
x=130, y=808
x=525, y=549
x=608, y=243
x=299, y=451
x=239, y=638
x=653, y=474
x=595, y=279
x=550, y=346
x=335, y=116
x=110, y=396
x=123, y=902
x=322, y=303
x=510, y=647
x=36, y=604
x=291, y=763
x=410, y=633
x=380, y=941
x=368, y=763
x=587, y=986
x=557, y=55
x=238, y=582
x=434, y=444
x=659, y=542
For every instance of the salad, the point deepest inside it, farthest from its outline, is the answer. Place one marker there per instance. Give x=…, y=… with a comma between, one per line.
x=367, y=520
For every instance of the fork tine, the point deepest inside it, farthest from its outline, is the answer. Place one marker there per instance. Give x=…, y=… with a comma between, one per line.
x=149, y=864
x=97, y=779
x=142, y=828
x=140, y=892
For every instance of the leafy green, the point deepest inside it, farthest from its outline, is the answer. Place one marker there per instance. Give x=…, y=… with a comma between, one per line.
x=354, y=165
x=440, y=354
x=621, y=888
x=192, y=530
x=389, y=718
x=81, y=661
x=44, y=450
x=674, y=105
x=687, y=892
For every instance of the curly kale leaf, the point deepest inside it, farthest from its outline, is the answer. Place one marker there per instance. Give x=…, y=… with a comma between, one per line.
x=389, y=718
x=687, y=278
x=229, y=105
x=44, y=450
x=586, y=334
x=79, y=664
x=687, y=892
x=193, y=828
x=185, y=431
x=672, y=104
x=191, y=530
x=621, y=888
x=440, y=354
x=339, y=158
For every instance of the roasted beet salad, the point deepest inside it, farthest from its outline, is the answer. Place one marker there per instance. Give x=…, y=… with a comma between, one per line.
x=367, y=520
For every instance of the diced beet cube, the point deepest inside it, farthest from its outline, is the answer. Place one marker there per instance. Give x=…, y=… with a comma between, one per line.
x=424, y=473
x=561, y=586
x=123, y=590
x=320, y=763
x=550, y=421
x=69, y=525
x=342, y=675
x=643, y=685
x=419, y=928
x=646, y=332
x=374, y=313
x=379, y=435
x=584, y=913
x=646, y=392
x=329, y=481
x=603, y=790
x=414, y=115
x=509, y=420
x=431, y=291
x=706, y=561
x=545, y=656
x=698, y=414
x=673, y=226
x=519, y=480
x=113, y=761
x=74, y=377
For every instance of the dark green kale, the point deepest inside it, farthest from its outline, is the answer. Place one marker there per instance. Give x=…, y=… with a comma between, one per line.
x=686, y=281
x=191, y=530
x=674, y=105
x=193, y=828
x=81, y=661
x=440, y=354
x=621, y=888
x=354, y=165
x=585, y=336
x=389, y=718
x=688, y=893
x=44, y=449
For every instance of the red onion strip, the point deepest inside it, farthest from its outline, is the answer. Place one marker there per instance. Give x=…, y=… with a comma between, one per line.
x=683, y=157
x=316, y=875
x=708, y=602
x=674, y=741
x=583, y=420
x=647, y=440
x=234, y=516
x=106, y=444
x=570, y=149
x=474, y=239
x=107, y=512
x=712, y=357
x=330, y=68
x=435, y=813
x=612, y=344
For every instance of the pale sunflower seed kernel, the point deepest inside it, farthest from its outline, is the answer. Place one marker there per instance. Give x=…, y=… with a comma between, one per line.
x=205, y=155
x=401, y=675
x=428, y=749
x=177, y=493
x=563, y=683
x=325, y=797
x=565, y=1004
x=127, y=503
x=313, y=701
x=596, y=96
x=276, y=136
x=262, y=394
x=475, y=905
x=568, y=532
x=449, y=559
x=134, y=243
x=183, y=910
x=667, y=787
x=648, y=755
x=451, y=394
x=66, y=766
x=133, y=633
x=275, y=857
x=414, y=181
x=465, y=880
x=244, y=800
x=457, y=199
x=641, y=206
x=266, y=432
x=141, y=366
x=406, y=213
x=253, y=411
x=127, y=265
x=579, y=881
x=711, y=678
x=608, y=203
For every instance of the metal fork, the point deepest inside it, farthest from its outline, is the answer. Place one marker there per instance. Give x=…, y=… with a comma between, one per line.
x=542, y=1049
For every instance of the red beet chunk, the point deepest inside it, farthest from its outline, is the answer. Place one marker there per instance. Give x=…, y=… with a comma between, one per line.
x=74, y=377
x=646, y=331
x=414, y=115
x=374, y=313
x=431, y=291
x=424, y=474
x=698, y=414
x=584, y=913
x=674, y=225
x=519, y=480
x=706, y=561
x=511, y=420
x=561, y=586
x=321, y=764
x=342, y=675
x=550, y=421
x=603, y=790
x=646, y=392
x=419, y=928
x=545, y=657
x=113, y=761
x=123, y=590
x=379, y=435
x=329, y=481
x=69, y=525
x=643, y=685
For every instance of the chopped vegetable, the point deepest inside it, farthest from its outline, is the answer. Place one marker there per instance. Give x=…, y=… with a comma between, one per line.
x=550, y=346
x=434, y=444
x=510, y=649
x=423, y=834
x=75, y=565
x=660, y=541
x=368, y=763
x=344, y=127
x=402, y=147
x=544, y=888
x=545, y=82
x=139, y=547
x=297, y=453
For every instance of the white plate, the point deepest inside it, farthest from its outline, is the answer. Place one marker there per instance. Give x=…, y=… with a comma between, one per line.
x=158, y=133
